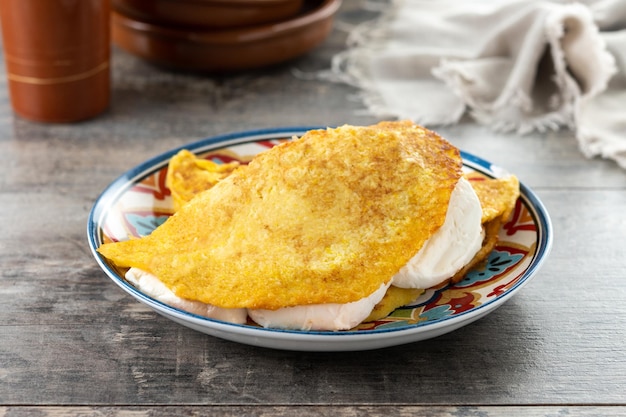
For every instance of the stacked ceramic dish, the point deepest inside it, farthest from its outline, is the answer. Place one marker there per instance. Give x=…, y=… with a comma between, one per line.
x=221, y=35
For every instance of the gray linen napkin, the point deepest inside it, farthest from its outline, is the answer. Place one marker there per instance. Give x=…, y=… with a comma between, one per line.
x=515, y=65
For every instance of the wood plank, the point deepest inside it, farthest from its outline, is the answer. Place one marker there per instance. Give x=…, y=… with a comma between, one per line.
x=318, y=411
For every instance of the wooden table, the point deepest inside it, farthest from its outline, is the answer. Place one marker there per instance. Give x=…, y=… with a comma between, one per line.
x=71, y=342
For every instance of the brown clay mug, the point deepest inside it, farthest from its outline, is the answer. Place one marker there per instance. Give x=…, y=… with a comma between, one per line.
x=57, y=56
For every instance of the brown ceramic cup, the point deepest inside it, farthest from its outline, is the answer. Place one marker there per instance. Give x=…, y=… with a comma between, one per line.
x=57, y=57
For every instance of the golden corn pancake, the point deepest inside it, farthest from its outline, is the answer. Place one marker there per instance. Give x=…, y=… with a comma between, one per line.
x=188, y=175
x=326, y=218
x=497, y=196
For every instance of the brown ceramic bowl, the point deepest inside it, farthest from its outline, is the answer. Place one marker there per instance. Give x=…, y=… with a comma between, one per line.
x=208, y=13
x=227, y=50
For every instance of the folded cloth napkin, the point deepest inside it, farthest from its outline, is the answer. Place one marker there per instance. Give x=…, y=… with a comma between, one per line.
x=517, y=65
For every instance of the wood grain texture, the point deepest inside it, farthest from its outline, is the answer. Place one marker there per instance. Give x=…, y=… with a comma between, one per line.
x=71, y=342
x=316, y=411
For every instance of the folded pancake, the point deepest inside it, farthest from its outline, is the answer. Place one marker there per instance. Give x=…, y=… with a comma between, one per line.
x=327, y=218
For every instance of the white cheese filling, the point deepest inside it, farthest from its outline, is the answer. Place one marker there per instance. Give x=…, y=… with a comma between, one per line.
x=320, y=316
x=153, y=287
x=446, y=252
x=451, y=247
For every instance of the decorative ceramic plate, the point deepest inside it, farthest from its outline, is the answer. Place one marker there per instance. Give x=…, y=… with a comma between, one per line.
x=138, y=202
